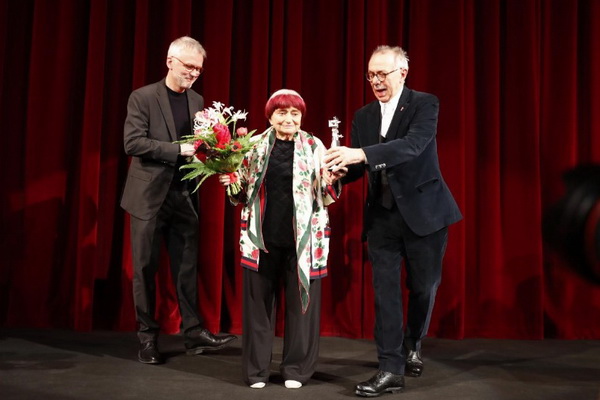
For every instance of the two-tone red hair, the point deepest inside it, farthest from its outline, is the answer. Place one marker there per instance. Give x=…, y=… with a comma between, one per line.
x=284, y=98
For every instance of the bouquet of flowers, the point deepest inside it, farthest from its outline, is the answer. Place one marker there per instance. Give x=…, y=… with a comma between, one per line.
x=218, y=150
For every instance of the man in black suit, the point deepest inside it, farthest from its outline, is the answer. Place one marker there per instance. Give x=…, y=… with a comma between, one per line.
x=159, y=202
x=408, y=210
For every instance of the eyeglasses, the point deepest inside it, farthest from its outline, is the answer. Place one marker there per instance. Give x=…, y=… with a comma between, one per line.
x=189, y=67
x=380, y=75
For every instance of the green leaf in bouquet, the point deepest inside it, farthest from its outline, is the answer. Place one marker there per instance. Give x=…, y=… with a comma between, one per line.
x=199, y=170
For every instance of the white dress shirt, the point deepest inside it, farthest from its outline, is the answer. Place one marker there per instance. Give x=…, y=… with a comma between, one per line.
x=387, y=113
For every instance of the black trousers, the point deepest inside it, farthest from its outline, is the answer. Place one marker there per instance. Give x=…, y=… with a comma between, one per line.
x=278, y=270
x=177, y=224
x=390, y=241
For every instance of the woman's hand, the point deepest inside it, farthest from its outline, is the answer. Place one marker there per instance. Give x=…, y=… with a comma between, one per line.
x=225, y=179
x=330, y=177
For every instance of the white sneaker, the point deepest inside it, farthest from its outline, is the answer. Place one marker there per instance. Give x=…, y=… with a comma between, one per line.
x=258, y=385
x=291, y=384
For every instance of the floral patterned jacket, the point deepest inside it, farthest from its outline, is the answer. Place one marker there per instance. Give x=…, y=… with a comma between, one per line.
x=311, y=198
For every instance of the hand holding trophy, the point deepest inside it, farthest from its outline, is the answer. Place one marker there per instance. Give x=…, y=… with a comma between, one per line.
x=338, y=157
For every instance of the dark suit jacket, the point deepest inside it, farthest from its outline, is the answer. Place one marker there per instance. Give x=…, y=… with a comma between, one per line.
x=409, y=157
x=149, y=134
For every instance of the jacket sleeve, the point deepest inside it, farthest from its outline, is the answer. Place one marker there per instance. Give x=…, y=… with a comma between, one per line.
x=141, y=138
x=421, y=130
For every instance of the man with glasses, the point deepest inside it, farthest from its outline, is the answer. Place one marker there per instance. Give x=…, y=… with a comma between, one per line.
x=407, y=213
x=159, y=202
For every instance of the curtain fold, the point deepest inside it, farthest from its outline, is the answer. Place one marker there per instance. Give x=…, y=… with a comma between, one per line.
x=518, y=89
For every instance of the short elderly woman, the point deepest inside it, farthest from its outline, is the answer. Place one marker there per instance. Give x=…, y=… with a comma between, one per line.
x=284, y=241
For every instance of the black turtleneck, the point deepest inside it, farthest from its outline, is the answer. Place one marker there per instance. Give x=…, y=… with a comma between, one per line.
x=278, y=226
x=183, y=127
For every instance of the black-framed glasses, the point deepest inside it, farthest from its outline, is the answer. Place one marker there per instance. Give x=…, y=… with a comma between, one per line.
x=189, y=67
x=380, y=75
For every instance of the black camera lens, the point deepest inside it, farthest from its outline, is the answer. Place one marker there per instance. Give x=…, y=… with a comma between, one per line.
x=572, y=226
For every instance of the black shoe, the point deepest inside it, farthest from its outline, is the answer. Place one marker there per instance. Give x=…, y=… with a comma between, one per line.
x=149, y=354
x=381, y=382
x=414, y=364
x=198, y=340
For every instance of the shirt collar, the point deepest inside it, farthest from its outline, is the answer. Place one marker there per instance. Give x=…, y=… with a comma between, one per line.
x=393, y=103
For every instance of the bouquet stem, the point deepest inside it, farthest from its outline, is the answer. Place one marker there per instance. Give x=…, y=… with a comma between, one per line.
x=234, y=189
x=234, y=186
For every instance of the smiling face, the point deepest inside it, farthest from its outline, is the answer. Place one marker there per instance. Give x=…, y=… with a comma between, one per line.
x=393, y=82
x=184, y=69
x=286, y=122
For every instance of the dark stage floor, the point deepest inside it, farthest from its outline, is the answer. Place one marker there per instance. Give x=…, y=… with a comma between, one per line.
x=50, y=364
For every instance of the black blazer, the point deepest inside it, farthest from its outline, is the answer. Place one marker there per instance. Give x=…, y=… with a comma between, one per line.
x=409, y=156
x=149, y=134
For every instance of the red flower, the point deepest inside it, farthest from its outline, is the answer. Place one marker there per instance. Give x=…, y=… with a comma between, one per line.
x=311, y=142
x=318, y=252
x=255, y=254
x=241, y=131
x=319, y=234
x=222, y=134
x=201, y=148
x=236, y=146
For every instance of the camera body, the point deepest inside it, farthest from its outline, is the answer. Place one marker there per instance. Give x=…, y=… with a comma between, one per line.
x=572, y=225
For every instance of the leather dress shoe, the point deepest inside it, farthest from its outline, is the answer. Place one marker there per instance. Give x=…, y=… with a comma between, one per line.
x=200, y=340
x=149, y=354
x=381, y=382
x=414, y=364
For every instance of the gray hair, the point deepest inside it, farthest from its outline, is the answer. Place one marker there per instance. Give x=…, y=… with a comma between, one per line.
x=185, y=43
x=400, y=55
x=285, y=91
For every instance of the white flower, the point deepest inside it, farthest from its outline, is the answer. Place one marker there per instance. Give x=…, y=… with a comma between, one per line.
x=227, y=110
x=218, y=105
x=214, y=115
x=239, y=115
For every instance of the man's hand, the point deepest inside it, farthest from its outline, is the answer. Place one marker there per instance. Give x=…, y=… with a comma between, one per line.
x=339, y=157
x=187, y=149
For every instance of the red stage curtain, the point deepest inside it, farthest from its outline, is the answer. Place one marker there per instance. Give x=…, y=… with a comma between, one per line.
x=518, y=84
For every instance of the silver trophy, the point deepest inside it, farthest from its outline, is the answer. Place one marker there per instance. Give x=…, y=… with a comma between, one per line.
x=335, y=133
x=335, y=136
